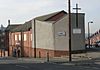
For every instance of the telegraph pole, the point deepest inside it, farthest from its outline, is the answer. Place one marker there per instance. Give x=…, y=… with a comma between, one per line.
x=69, y=9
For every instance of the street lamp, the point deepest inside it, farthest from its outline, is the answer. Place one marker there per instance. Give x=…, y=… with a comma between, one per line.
x=89, y=33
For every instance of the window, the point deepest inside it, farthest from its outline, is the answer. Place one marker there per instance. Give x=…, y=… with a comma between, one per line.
x=19, y=37
x=15, y=37
x=25, y=37
x=31, y=37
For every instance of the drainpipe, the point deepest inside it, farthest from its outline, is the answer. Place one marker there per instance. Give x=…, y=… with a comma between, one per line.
x=8, y=38
x=34, y=38
x=22, y=46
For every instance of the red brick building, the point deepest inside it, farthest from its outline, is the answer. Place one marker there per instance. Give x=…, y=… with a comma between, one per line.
x=47, y=34
x=20, y=36
x=94, y=38
x=8, y=36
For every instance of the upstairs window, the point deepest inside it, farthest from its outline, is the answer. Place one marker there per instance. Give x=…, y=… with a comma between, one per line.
x=19, y=37
x=25, y=37
x=15, y=37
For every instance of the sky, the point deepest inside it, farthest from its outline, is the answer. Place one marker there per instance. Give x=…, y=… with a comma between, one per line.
x=20, y=11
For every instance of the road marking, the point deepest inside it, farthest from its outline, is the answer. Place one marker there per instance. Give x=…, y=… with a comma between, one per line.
x=97, y=62
x=22, y=66
x=96, y=68
x=89, y=67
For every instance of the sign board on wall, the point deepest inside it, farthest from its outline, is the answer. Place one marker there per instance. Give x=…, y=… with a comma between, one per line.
x=61, y=33
x=76, y=31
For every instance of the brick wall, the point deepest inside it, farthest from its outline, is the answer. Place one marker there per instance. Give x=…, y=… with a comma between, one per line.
x=26, y=44
x=42, y=53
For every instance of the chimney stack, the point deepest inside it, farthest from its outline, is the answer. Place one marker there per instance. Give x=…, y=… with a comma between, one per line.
x=8, y=22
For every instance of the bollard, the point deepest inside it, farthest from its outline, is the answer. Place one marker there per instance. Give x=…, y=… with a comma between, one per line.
x=39, y=54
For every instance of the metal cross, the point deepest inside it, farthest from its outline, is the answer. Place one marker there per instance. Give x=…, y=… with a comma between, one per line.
x=77, y=14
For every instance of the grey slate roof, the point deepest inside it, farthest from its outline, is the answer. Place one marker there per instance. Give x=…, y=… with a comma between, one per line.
x=25, y=27
x=28, y=25
x=11, y=27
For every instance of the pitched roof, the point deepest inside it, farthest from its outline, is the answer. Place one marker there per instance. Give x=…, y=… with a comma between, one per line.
x=12, y=26
x=49, y=16
x=25, y=27
x=28, y=25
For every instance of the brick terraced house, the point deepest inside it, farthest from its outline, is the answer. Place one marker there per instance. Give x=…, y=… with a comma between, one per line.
x=8, y=35
x=95, y=39
x=20, y=36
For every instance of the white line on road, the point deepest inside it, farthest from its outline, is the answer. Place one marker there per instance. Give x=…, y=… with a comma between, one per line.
x=89, y=67
x=22, y=66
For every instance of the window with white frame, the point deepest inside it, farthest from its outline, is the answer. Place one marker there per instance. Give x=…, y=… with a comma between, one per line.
x=19, y=37
x=25, y=37
x=15, y=37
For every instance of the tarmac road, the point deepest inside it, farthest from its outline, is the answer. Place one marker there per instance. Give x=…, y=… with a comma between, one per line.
x=52, y=66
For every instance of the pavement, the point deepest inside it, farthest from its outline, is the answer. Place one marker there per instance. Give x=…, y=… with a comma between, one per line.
x=82, y=57
x=13, y=60
x=83, y=61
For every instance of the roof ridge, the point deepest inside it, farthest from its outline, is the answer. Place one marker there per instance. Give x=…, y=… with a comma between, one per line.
x=57, y=14
x=45, y=17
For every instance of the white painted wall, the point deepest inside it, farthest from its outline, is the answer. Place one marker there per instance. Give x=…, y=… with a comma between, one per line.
x=61, y=42
x=78, y=39
x=47, y=34
x=44, y=35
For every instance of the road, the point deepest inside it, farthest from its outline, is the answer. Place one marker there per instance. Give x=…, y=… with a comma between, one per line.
x=51, y=66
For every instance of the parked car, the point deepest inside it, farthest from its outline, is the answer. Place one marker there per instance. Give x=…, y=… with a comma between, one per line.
x=91, y=46
x=97, y=44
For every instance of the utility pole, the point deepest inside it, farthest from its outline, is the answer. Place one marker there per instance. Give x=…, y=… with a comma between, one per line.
x=77, y=14
x=69, y=9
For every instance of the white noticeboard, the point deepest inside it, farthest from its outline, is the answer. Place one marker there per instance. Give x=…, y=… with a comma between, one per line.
x=76, y=31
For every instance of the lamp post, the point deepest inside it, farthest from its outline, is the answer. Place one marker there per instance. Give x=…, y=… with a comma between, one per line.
x=89, y=33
